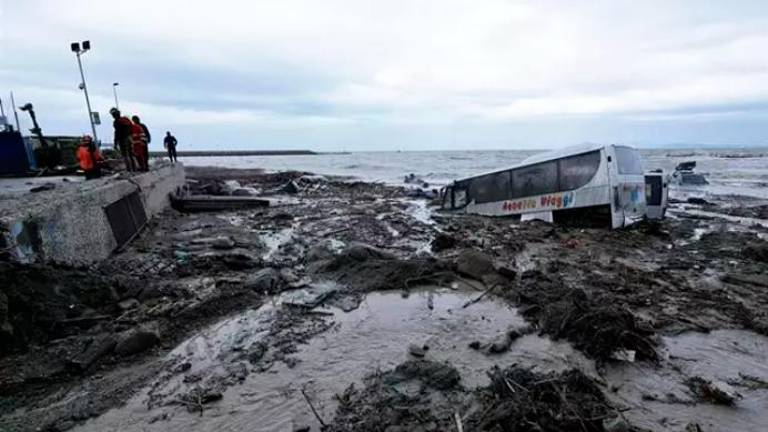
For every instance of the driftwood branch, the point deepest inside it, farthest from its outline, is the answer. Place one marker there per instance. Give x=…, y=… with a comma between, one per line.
x=312, y=407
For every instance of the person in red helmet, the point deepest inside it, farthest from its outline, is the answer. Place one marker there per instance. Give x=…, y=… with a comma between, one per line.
x=139, y=147
x=147, y=138
x=89, y=157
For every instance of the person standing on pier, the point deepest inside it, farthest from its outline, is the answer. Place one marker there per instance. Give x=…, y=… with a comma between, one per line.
x=147, y=138
x=89, y=157
x=122, y=141
x=139, y=146
x=170, y=144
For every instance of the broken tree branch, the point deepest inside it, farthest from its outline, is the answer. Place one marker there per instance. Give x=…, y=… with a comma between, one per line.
x=480, y=297
x=312, y=407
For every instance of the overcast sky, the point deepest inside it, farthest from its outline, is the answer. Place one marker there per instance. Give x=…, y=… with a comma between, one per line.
x=397, y=75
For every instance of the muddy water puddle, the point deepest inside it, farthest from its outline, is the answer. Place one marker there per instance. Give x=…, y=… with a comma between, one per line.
x=375, y=336
x=660, y=400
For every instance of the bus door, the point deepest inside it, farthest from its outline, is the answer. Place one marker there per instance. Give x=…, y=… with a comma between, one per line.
x=627, y=185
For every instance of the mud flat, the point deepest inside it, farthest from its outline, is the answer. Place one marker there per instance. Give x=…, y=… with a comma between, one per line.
x=352, y=306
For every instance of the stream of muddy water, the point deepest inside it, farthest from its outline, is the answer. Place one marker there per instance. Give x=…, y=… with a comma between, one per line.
x=377, y=335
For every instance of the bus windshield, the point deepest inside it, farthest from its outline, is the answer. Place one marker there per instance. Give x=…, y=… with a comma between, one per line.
x=628, y=161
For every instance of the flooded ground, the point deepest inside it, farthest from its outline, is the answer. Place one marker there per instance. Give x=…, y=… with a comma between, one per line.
x=376, y=336
x=263, y=319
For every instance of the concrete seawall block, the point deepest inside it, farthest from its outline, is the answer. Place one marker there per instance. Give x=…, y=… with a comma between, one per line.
x=69, y=224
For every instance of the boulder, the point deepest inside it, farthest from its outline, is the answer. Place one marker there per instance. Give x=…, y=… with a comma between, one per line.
x=364, y=252
x=290, y=188
x=99, y=347
x=136, y=341
x=319, y=252
x=475, y=264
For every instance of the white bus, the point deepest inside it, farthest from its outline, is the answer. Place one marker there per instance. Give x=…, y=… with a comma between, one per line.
x=591, y=182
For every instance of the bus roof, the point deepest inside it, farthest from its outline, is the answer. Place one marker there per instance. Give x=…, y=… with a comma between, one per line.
x=546, y=156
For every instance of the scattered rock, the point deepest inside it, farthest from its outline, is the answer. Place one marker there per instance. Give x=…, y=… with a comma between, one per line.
x=128, y=304
x=697, y=200
x=182, y=367
x=418, y=350
x=440, y=376
x=716, y=392
x=475, y=264
x=136, y=341
x=290, y=188
x=99, y=347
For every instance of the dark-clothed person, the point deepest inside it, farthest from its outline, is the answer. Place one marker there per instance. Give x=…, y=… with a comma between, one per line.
x=123, y=141
x=170, y=144
x=90, y=158
x=145, y=140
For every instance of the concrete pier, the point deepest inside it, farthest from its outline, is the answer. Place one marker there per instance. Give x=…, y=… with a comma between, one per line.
x=78, y=223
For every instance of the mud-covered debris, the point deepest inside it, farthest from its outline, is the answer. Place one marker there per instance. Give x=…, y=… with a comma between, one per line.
x=443, y=241
x=266, y=280
x=311, y=296
x=521, y=400
x=616, y=424
x=756, y=251
x=136, y=341
x=715, y=392
x=257, y=351
x=440, y=376
x=386, y=404
x=99, y=347
x=598, y=327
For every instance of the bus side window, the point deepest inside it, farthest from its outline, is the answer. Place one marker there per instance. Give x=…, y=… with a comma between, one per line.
x=534, y=180
x=490, y=188
x=576, y=171
x=459, y=198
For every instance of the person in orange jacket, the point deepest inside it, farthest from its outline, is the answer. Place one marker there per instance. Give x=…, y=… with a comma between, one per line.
x=89, y=157
x=139, y=147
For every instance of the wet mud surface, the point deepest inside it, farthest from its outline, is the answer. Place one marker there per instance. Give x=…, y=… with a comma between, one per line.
x=357, y=306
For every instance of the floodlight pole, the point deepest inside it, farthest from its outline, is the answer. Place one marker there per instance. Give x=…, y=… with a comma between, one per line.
x=85, y=90
x=114, y=90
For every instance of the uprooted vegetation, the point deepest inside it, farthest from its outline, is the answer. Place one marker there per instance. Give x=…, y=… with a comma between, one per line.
x=595, y=325
x=428, y=396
